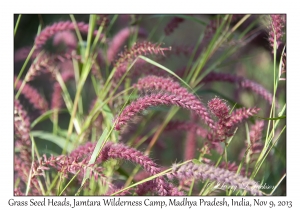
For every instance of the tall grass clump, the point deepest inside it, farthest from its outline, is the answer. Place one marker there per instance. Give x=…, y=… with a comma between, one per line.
x=150, y=105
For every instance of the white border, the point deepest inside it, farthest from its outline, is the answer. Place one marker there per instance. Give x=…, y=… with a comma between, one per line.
x=153, y=6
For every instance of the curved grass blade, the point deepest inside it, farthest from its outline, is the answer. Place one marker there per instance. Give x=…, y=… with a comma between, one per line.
x=149, y=178
x=59, y=141
x=44, y=117
x=165, y=69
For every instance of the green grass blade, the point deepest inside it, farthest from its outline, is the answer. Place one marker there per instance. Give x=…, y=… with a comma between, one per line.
x=17, y=24
x=150, y=178
x=100, y=144
x=59, y=141
x=44, y=116
x=165, y=69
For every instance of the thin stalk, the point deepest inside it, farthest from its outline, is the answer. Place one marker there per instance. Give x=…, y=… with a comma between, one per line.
x=278, y=184
x=136, y=169
x=30, y=173
x=84, y=75
x=266, y=154
x=202, y=61
x=17, y=24
x=52, y=184
x=113, y=20
x=206, y=189
x=191, y=187
x=77, y=78
x=94, y=112
x=67, y=99
x=55, y=121
x=270, y=134
x=76, y=29
x=21, y=72
x=61, y=192
x=161, y=129
x=92, y=24
x=192, y=57
x=149, y=178
x=154, y=28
